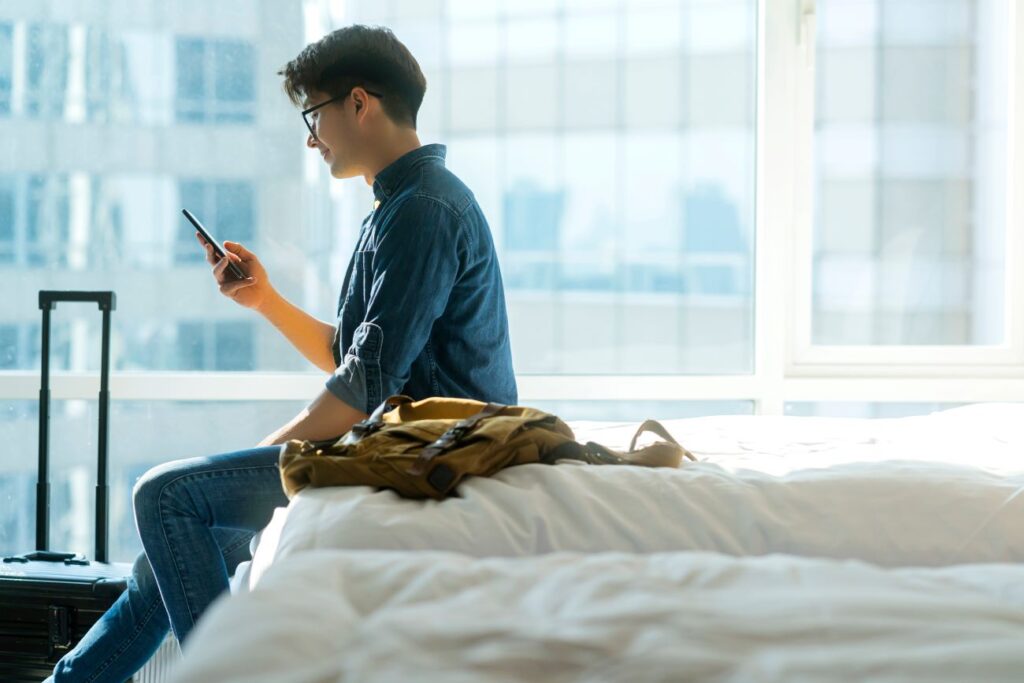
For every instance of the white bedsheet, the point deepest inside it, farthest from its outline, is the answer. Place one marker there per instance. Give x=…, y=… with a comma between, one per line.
x=374, y=616
x=935, y=490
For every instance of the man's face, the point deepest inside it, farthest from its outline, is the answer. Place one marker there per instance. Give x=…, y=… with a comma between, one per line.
x=337, y=134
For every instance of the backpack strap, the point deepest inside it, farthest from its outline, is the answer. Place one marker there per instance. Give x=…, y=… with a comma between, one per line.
x=376, y=420
x=452, y=437
x=659, y=429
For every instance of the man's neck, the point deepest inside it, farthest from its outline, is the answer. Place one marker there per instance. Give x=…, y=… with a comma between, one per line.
x=403, y=142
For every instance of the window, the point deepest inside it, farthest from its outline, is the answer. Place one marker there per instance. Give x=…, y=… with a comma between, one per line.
x=9, y=347
x=46, y=70
x=700, y=207
x=7, y=218
x=215, y=81
x=47, y=229
x=6, y=67
x=910, y=182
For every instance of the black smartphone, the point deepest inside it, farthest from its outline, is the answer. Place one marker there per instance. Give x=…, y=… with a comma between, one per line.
x=218, y=250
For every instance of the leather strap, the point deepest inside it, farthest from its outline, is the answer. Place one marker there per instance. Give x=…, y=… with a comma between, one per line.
x=657, y=428
x=452, y=437
x=376, y=420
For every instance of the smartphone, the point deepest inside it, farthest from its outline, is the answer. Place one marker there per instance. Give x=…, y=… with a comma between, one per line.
x=218, y=250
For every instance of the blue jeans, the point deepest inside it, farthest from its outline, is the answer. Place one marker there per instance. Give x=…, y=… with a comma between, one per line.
x=195, y=518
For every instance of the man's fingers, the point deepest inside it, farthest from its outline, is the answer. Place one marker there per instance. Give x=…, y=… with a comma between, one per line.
x=210, y=258
x=236, y=248
x=231, y=288
x=220, y=266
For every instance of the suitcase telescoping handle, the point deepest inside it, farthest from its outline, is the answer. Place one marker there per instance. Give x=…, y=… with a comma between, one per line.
x=47, y=302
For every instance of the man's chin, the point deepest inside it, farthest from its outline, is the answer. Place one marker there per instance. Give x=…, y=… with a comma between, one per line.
x=340, y=172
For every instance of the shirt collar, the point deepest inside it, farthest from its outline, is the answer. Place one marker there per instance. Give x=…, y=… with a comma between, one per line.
x=391, y=176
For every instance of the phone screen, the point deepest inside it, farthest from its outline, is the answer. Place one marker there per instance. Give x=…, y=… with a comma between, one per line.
x=218, y=250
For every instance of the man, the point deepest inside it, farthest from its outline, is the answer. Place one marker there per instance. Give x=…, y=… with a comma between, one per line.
x=421, y=312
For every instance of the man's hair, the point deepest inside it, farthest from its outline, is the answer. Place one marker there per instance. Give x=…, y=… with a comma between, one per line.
x=357, y=55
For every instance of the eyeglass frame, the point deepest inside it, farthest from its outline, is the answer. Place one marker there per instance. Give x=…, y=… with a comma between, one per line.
x=336, y=98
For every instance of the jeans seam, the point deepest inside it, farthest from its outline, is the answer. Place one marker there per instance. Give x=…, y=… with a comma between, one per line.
x=138, y=629
x=236, y=546
x=163, y=526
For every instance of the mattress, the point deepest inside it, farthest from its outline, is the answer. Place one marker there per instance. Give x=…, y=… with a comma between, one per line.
x=934, y=490
x=332, y=615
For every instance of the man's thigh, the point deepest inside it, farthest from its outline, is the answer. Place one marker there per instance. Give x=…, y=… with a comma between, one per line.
x=237, y=490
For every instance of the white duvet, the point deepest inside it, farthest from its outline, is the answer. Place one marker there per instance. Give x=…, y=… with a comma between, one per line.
x=937, y=490
x=330, y=615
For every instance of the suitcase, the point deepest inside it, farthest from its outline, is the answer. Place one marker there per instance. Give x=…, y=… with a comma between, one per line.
x=49, y=600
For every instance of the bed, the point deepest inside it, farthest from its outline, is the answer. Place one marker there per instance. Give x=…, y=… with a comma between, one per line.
x=882, y=548
x=331, y=615
x=933, y=490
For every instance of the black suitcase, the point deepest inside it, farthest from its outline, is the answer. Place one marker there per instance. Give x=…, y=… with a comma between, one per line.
x=49, y=600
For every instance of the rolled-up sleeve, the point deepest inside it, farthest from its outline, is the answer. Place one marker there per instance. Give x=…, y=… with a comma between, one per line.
x=410, y=277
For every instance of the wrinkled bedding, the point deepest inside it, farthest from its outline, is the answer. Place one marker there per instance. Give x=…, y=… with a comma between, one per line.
x=923, y=491
x=330, y=615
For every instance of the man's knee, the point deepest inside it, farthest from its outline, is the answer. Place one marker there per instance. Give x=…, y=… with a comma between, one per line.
x=152, y=485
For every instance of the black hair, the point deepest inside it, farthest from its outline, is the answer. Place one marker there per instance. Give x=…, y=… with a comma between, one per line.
x=367, y=56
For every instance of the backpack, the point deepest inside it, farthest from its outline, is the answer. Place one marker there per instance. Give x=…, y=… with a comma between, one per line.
x=423, y=449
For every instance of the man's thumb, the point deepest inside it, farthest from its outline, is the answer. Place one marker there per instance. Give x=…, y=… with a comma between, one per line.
x=237, y=248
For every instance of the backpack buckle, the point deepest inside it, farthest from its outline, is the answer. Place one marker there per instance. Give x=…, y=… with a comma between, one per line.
x=452, y=437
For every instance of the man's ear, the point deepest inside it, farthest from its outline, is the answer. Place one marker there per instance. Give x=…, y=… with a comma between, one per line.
x=359, y=98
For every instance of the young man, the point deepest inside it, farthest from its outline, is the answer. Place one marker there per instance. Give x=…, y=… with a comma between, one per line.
x=421, y=312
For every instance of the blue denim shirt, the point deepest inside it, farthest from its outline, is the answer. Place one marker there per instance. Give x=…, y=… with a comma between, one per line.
x=422, y=308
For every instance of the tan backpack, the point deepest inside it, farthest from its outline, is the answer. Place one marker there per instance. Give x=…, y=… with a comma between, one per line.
x=423, y=449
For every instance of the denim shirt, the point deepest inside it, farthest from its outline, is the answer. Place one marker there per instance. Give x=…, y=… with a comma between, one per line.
x=422, y=308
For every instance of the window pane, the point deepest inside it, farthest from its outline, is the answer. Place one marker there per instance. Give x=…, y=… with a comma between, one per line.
x=46, y=69
x=234, y=88
x=910, y=143
x=235, y=210
x=191, y=91
x=233, y=344
x=6, y=67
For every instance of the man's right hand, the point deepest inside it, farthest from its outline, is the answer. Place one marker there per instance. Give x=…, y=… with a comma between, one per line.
x=253, y=291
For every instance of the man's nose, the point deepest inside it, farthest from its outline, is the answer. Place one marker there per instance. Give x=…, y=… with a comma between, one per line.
x=310, y=141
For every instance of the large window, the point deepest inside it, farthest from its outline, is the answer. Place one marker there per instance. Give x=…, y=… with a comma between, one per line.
x=700, y=207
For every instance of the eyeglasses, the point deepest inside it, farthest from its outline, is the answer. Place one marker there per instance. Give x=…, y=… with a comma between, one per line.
x=311, y=121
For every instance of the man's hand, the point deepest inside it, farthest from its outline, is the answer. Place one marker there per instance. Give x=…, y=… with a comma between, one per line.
x=251, y=292
x=325, y=418
x=313, y=338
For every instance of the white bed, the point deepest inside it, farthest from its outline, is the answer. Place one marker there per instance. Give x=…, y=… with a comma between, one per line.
x=935, y=490
x=798, y=549
x=330, y=615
